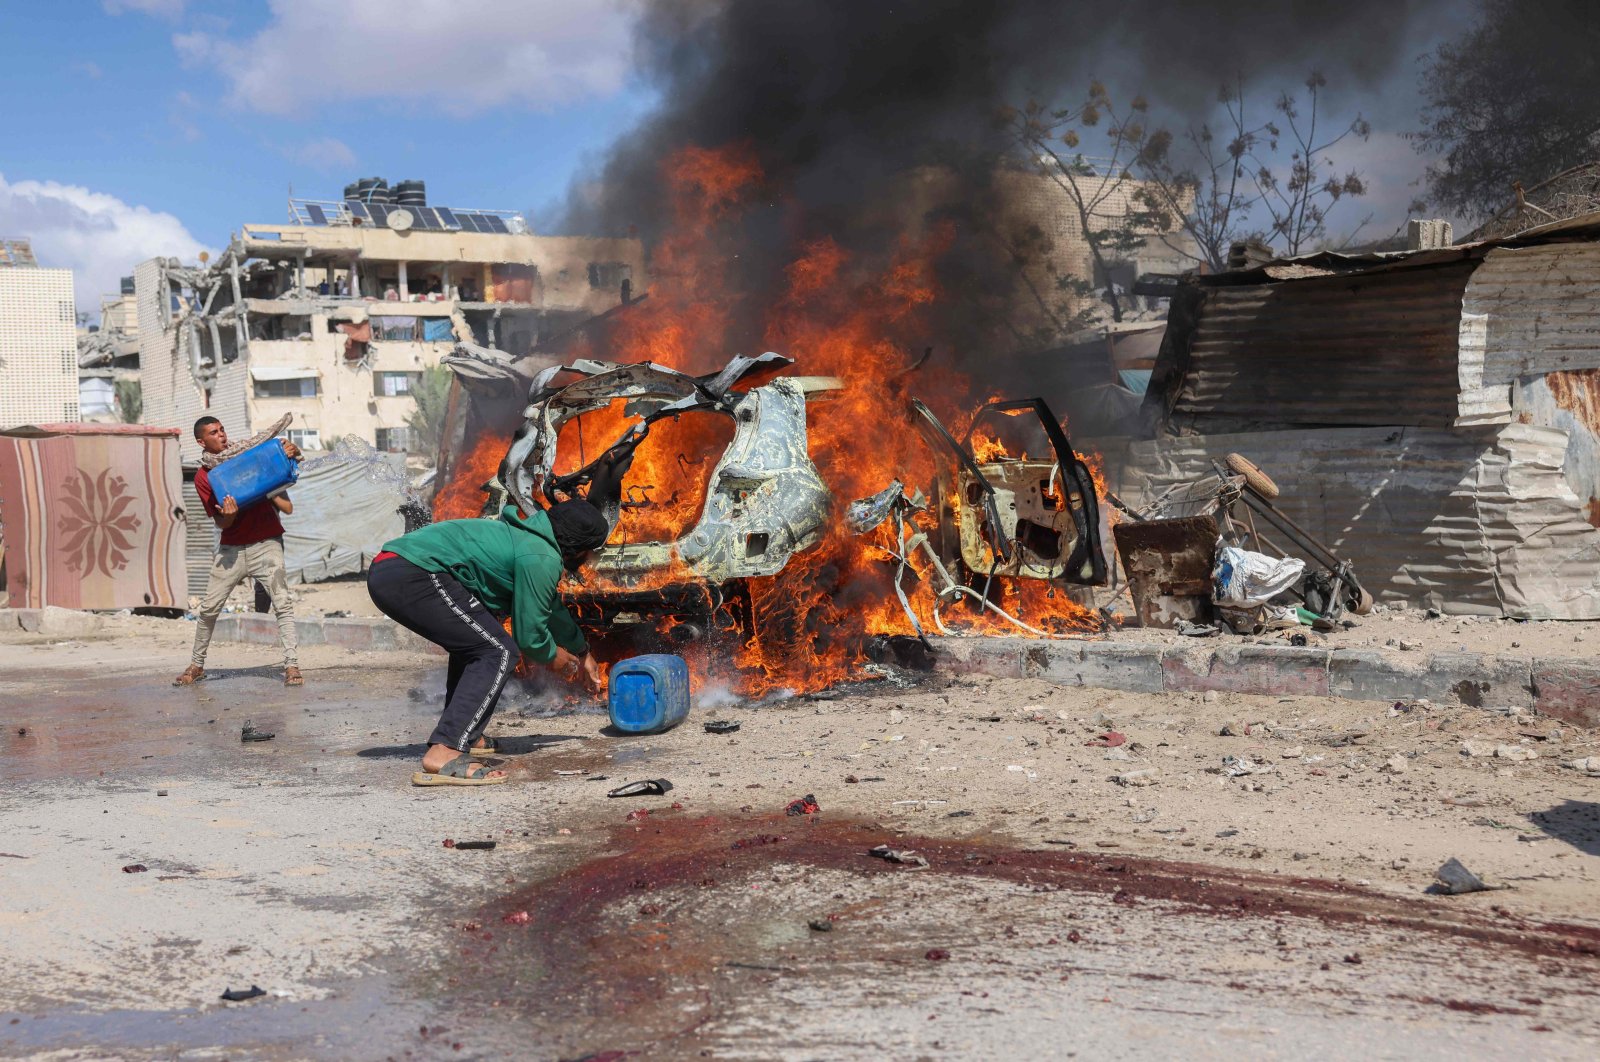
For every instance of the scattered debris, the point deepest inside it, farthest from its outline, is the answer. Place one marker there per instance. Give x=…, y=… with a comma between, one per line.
x=249, y=733
x=905, y=857
x=1395, y=765
x=721, y=726
x=1234, y=730
x=239, y=995
x=1195, y=630
x=161, y=792
x=517, y=918
x=648, y=787
x=936, y=955
x=1455, y=879
x=806, y=805
x=135, y=868
x=1109, y=740
x=474, y=846
x=821, y=925
x=1237, y=766
x=1147, y=776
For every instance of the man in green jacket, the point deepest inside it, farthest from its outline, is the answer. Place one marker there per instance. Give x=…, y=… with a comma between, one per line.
x=447, y=581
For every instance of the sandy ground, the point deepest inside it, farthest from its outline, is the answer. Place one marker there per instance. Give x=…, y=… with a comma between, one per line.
x=308, y=866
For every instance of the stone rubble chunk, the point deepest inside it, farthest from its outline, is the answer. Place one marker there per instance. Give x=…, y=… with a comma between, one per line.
x=1147, y=776
x=1477, y=748
x=1515, y=752
x=1395, y=765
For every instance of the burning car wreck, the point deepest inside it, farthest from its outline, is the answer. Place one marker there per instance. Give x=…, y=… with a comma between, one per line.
x=708, y=482
x=763, y=498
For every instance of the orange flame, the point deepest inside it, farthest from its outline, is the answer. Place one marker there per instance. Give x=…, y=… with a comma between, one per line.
x=837, y=316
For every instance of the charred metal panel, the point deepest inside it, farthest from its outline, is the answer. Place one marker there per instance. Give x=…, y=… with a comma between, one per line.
x=1035, y=518
x=1168, y=564
x=1375, y=348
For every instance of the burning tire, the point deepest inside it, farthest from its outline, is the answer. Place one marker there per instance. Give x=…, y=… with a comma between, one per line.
x=1254, y=478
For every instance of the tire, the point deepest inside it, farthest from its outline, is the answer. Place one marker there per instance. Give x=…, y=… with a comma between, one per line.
x=1254, y=478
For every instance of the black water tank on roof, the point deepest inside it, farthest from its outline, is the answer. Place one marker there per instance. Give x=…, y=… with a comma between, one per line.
x=353, y=190
x=411, y=193
x=373, y=190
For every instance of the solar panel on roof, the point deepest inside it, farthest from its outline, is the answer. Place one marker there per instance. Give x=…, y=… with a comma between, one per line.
x=496, y=224
x=317, y=216
x=357, y=209
x=446, y=218
x=423, y=217
x=380, y=213
x=467, y=220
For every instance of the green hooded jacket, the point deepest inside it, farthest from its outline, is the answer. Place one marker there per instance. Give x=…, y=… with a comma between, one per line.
x=512, y=565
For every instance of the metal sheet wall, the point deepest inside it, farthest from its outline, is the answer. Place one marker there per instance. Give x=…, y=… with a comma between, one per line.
x=1473, y=522
x=1527, y=311
x=1357, y=349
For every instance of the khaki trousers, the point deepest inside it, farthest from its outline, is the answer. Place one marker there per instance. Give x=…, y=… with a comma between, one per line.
x=233, y=565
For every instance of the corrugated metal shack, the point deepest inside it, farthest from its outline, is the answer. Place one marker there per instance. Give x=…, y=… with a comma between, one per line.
x=1434, y=416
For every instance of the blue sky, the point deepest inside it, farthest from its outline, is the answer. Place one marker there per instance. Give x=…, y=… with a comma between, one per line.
x=142, y=127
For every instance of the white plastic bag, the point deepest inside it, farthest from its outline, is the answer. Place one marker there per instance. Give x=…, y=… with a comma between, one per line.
x=1243, y=578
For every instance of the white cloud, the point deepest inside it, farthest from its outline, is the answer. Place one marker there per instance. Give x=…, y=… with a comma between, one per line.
x=98, y=236
x=88, y=68
x=160, y=8
x=325, y=153
x=458, y=56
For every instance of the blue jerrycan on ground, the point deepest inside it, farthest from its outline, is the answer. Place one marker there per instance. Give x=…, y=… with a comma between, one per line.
x=254, y=474
x=649, y=694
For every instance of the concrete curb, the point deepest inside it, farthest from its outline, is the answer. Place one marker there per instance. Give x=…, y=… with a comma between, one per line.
x=1565, y=689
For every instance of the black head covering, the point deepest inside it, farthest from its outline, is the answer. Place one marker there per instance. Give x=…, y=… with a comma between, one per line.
x=578, y=526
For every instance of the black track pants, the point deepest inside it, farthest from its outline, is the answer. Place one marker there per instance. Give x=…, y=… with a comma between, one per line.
x=482, y=654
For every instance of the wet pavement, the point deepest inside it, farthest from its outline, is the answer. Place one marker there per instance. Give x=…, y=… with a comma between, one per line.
x=307, y=866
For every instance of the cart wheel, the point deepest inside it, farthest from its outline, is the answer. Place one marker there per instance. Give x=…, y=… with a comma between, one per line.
x=1363, y=604
x=1254, y=478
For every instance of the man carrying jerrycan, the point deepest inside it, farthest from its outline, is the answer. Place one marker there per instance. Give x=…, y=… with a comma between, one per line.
x=447, y=581
x=251, y=547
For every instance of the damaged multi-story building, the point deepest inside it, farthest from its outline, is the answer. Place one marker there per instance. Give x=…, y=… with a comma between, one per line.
x=38, y=340
x=108, y=361
x=334, y=314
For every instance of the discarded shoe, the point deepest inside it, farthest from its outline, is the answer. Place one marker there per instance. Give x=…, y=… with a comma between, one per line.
x=249, y=733
x=239, y=995
x=649, y=787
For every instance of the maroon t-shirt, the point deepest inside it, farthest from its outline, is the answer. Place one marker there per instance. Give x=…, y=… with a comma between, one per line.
x=255, y=523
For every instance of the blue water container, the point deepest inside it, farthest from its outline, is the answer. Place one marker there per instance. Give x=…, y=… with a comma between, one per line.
x=649, y=694
x=254, y=474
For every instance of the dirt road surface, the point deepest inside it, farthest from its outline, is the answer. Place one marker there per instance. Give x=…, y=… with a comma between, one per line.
x=1277, y=911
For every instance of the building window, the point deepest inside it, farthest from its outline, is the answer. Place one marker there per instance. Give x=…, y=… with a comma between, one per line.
x=391, y=384
x=301, y=387
x=306, y=438
x=394, y=440
x=608, y=276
